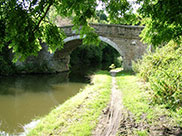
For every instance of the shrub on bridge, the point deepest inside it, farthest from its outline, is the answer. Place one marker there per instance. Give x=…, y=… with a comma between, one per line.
x=163, y=71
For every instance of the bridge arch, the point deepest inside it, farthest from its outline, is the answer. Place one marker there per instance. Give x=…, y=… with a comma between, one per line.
x=103, y=39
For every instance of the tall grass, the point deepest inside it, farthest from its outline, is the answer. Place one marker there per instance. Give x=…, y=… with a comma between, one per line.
x=163, y=70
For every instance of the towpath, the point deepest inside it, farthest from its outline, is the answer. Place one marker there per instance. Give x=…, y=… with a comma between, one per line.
x=110, y=119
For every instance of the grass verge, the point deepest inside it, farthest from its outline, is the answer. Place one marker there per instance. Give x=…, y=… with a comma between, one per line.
x=78, y=116
x=143, y=118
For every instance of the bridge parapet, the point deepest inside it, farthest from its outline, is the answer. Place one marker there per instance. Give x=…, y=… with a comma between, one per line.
x=107, y=30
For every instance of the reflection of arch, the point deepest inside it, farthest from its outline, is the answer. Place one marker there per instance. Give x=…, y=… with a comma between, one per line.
x=104, y=39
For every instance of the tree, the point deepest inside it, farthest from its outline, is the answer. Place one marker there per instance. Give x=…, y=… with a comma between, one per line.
x=24, y=24
x=101, y=16
x=162, y=20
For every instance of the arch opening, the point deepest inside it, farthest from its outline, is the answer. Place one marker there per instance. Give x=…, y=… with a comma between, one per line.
x=110, y=49
x=103, y=39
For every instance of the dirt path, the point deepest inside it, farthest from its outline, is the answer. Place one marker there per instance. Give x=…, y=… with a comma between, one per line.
x=110, y=119
x=115, y=118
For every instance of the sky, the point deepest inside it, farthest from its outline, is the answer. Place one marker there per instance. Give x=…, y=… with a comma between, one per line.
x=135, y=6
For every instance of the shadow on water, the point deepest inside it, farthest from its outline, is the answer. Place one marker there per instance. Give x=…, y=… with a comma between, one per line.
x=36, y=83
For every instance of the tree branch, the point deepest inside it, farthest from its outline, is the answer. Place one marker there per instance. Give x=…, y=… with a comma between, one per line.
x=36, y=27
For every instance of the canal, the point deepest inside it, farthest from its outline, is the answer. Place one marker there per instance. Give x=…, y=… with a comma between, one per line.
x=26, y=97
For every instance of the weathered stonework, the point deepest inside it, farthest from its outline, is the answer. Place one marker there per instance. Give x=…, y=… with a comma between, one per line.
x=125, y=39
x=45, y=62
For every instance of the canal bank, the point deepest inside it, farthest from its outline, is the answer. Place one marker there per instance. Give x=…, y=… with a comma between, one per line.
x=26, y=97
x=80, y=114
x=83, y=114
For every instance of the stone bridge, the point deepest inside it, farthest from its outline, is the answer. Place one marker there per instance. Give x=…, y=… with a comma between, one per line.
x=125, y=39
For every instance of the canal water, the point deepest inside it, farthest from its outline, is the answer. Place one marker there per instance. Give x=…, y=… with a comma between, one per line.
x=26, y=97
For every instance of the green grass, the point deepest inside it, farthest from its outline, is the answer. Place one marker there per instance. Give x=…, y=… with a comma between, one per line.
x=133, y=97
x=136, y=99
x=141, y=133
x=78, y=116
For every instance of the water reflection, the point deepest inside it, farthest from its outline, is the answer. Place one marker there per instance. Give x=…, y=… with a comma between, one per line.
x=23, y=98
x=35, y=83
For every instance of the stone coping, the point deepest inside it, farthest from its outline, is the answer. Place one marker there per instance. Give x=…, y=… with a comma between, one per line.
x=114, y=25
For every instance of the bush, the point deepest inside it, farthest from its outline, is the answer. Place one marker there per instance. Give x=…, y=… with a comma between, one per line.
x=167, y=85
x=163, y=71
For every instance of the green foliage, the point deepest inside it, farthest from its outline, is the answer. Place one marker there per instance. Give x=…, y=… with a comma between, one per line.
x=86, y=55
x=93, y=54
x=162, y=20
x=54, y=37
x=89, y=36
x=117, y=10
x=52, y=15
x=23, y=24
x=112, y=66
x=29, y=67
x=163, y=71
x=6, y=66
x=101, y=16
x=147, y=118
x=142, y=133
x=167, y=85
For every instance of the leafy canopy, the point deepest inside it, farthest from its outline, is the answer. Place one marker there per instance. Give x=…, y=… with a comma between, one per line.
x=24, y=24
x=162, y=20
